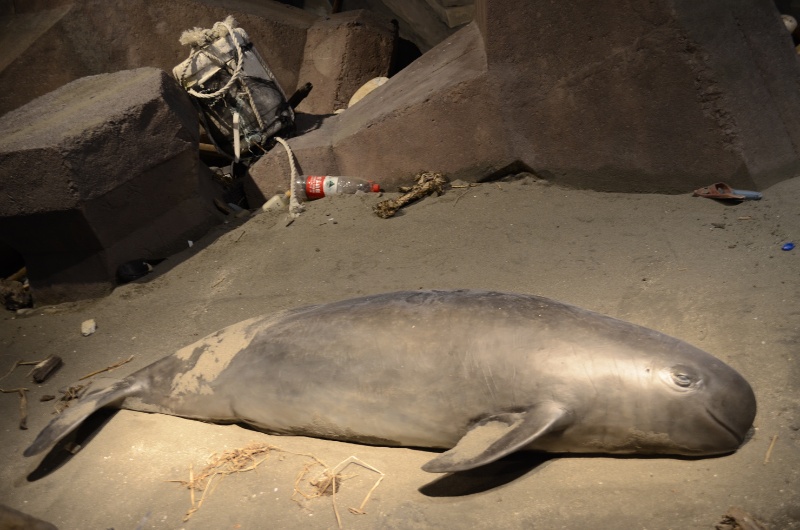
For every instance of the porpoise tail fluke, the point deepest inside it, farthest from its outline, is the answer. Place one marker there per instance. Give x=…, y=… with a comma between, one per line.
x=73, y=416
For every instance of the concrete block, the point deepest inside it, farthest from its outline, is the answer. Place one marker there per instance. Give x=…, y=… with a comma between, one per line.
x=44, y=50
x=99, y=172
x=343, y=52
x=454, y=12
x=663, y=96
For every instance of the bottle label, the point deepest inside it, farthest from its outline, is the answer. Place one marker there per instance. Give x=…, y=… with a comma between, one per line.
x=319, y=187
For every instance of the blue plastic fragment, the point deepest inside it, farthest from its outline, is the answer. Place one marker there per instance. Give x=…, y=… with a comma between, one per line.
x=787, y=246
x=748, y=195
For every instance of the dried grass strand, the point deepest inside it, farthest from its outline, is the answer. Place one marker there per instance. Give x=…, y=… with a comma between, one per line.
x=107, y=368
x=18, y=364
x=23, y=405
x=769, y=450
x=336, y=472
x=70, y=394
x=333, y=500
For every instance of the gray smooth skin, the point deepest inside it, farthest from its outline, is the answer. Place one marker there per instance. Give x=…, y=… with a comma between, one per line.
x=480, y=373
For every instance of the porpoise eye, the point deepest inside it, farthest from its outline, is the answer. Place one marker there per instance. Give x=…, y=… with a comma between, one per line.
x=682, y=379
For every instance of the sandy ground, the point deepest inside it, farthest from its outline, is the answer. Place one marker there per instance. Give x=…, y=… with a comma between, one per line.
x=711, y=274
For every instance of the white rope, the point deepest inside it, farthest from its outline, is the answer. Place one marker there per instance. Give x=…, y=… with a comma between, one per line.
x=295, y=208
x=236, y=72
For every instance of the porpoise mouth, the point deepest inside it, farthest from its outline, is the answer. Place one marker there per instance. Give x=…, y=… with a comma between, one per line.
x=736, y=436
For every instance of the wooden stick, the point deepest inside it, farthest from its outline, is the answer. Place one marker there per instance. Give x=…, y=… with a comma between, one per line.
x=17, y=276
x=360, y=509
x=23, y=405
x=23, y=409
x=191, y=483
x=333, y=493
x=107, y=368
x=769, y=451
x=44, y=369
x=20, y=363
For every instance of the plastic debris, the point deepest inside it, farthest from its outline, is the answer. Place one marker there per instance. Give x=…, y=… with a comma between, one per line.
x=720, y=190
x=311, y=187
x=277, y=202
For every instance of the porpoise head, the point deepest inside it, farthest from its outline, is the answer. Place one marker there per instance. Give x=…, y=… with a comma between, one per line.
x=709, y=407
x=674, y=398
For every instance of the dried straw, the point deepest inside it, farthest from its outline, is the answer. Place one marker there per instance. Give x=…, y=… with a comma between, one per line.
x=250, y=457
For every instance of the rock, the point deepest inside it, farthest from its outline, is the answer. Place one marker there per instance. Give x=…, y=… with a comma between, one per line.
x=101, y=171
x=14, y=295
x=88, y=327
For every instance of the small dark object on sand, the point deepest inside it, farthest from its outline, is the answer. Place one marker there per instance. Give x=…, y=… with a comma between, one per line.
x=738, y=519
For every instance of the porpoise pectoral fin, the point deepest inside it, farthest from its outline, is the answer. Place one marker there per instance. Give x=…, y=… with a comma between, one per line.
x=71, y=417
x=499, y=435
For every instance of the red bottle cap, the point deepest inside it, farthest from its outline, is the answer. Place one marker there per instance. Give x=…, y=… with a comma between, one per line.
x=375, y=187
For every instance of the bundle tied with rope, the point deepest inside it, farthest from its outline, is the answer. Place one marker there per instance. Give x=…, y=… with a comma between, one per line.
x=199, y=38
x=241, y=105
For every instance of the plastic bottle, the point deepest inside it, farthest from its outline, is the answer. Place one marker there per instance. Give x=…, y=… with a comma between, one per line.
x=310, y=187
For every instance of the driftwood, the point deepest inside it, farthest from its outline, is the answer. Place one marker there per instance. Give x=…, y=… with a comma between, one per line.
x=427, y=183
x=23, y=405
x=45, y=369
x=18, y=276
